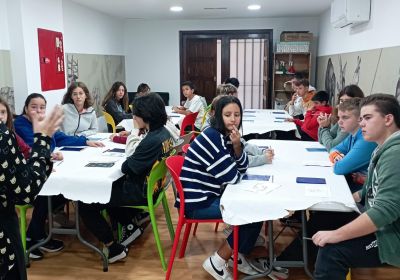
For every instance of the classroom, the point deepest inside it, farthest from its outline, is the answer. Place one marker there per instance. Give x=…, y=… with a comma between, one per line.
x=273, y=108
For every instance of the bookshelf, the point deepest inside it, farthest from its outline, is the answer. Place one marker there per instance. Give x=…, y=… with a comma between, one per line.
x=301, y=63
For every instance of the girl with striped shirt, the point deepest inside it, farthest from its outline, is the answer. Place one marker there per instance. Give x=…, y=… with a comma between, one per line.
x=216, y=158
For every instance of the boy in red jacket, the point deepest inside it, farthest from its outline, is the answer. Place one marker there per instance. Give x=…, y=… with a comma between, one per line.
x=308, y=128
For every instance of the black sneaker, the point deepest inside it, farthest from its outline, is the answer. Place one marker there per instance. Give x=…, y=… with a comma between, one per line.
x=52, y=246
x=35, y=254
x=116, y=252
x=130, y=233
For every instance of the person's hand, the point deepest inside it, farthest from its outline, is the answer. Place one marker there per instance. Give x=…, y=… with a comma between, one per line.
x=359, y=178
x=235, y=137
x=269, y=154
x=335, y=156
x=294, y=97
x=57, y=156
x=113, y=135
x=124, y=133
x=324, y=120
x=289, y=120
x=321, y=238
x=356, y=197
x=95, y=144
x=50, y=124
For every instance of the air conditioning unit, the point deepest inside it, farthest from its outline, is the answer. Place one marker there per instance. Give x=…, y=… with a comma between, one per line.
x=347, y=12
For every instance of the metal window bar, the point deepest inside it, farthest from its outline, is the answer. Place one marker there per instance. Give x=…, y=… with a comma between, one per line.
x=244, y=66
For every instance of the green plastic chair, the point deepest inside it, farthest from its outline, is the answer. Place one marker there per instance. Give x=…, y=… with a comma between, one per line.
x=157, y=174
x=22, y=222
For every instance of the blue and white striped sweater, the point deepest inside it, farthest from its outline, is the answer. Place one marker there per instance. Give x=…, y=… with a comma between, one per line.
x=209, y=164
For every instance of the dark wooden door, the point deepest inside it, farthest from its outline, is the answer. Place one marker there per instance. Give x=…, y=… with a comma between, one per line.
x=200, y=65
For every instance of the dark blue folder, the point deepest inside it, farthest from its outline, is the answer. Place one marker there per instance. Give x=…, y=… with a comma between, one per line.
x=256, y=177
x=310, y=180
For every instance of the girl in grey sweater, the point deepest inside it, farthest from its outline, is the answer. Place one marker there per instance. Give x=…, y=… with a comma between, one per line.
x=79, y=115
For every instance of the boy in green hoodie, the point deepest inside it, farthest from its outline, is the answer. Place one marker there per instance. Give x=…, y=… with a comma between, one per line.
x=373, y=238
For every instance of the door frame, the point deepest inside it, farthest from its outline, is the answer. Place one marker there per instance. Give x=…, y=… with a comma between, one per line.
x=225, y=36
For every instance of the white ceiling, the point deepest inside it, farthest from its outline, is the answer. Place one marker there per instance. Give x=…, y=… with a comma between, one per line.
x=197, y=9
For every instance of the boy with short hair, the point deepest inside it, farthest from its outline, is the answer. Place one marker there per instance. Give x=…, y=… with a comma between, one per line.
x=353, y=154
x=373, y=237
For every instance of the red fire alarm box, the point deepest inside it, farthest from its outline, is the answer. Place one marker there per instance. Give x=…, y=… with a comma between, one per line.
x=51, y=56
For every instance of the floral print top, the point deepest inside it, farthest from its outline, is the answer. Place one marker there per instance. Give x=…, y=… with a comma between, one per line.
x=20, y=182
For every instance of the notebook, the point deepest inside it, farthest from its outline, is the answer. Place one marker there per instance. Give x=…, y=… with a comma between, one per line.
x=282, y=113
x=72, y=149
x=256, y=177
x=310, y=180
x=100, y=164
x=316, y=150
x=115, y=150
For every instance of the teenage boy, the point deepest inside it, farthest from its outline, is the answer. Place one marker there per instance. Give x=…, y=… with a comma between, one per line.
x=301, y=99
x=353, y=154
x=373, y=238
x=308, y=128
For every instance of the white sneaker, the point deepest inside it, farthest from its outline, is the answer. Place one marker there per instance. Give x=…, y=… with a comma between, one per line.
x=243, y=265
x=218, y=272
x=261, y=265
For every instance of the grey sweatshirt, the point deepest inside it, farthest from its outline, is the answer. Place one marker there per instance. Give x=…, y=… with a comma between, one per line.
x=79, y=124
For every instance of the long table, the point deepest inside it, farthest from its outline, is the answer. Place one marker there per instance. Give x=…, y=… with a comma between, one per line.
x=77, y=182
x=265, y=120
x=254, y=120
x=254, y=201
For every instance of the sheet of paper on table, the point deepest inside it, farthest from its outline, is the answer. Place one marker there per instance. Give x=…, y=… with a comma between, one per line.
x=323, y=163
x=260, y=187
x=317, y=190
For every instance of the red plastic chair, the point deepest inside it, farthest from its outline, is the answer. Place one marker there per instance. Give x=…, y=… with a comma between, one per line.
x=188, y=121
x=185, y=148
x=174, y=164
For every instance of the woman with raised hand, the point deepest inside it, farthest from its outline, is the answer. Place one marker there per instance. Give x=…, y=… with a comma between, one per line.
x=35, y=107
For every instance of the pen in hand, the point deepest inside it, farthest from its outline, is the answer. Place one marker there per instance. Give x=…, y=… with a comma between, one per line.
x=59, y=163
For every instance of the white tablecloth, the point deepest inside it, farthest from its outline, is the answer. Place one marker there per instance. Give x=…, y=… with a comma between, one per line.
x=88, y=184
x=174, y=117
x=243, y=204
x=262, y=121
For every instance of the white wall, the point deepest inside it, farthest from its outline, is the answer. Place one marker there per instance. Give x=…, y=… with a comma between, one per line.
x=84, y=31
x=152, y=47
x=91, y=32
x=380, y=32
x=4, y=36
x=24, y=17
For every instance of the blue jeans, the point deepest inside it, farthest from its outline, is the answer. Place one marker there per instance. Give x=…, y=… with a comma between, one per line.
x=334, y=260
x=247, y=233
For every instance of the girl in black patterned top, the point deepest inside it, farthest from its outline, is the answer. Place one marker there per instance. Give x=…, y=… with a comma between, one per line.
x=20, y=182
